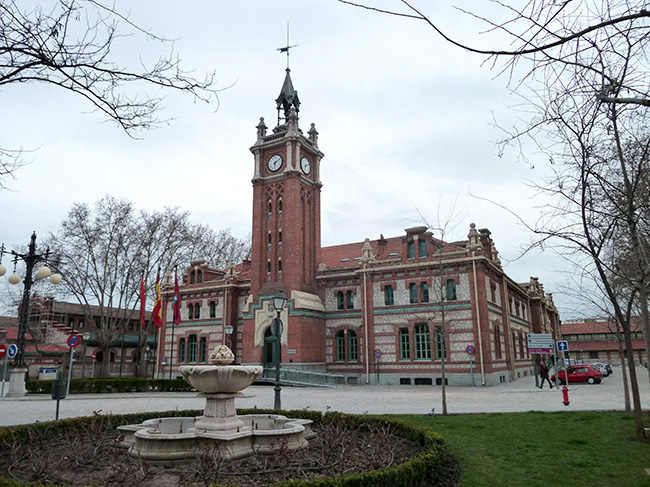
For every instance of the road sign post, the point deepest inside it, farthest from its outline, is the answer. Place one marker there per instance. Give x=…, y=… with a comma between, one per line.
x=3, y=353
x=470, y=352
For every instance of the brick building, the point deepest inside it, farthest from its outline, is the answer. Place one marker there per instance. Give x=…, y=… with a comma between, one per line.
x=597, y=340
x=386, y=310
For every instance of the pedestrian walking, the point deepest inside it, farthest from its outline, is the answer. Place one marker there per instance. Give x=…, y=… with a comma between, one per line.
x=543, y=372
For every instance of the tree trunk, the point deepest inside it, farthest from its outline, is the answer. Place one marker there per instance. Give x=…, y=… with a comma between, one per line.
x=626, y=387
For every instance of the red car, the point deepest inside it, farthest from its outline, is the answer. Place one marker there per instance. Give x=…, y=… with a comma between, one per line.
x=580, y=373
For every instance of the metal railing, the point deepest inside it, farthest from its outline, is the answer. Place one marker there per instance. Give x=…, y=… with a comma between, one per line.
x=303, y=377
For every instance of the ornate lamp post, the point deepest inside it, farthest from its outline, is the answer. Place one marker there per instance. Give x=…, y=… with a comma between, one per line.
x=31, y=258
x=279, y=303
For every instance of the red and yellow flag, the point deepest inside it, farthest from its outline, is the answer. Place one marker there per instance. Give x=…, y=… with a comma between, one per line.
x=157, y=306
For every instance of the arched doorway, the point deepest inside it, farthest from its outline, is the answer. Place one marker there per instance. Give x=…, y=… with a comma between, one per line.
x=269, y=348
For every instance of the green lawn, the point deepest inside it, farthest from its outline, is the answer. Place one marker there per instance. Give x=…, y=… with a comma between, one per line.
x=559, y=449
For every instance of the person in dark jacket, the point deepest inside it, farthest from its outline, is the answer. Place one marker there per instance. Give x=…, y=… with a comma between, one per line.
x=543, y=372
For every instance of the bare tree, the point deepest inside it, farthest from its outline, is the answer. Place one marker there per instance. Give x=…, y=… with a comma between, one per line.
x=68, y=44
x=105, y=251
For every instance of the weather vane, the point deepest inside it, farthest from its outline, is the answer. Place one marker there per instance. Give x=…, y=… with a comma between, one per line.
x=287, y=47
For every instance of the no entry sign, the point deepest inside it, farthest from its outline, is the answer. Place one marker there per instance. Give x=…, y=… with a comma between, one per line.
x=73, y=341
x=3, y=350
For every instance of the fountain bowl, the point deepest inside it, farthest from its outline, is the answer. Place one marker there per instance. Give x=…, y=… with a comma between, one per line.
x=210, y=379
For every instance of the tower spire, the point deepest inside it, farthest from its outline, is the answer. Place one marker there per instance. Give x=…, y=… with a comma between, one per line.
x=288, y=95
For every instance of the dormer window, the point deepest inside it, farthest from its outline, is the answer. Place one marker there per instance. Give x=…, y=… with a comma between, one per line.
x=199, y=276
x=423, y=248
x=411, y=250
x=192, y=277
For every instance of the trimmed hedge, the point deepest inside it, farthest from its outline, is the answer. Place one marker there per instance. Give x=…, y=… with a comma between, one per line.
x=418, y=471
x=109, y=385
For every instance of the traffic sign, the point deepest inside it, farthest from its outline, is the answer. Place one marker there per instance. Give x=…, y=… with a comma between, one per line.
x=540, y=343
x=3, y=350
x=12, y=350
x=469, y=349
x=94, y=356
x=562, y=346
x=73, y=341
x=377, y=352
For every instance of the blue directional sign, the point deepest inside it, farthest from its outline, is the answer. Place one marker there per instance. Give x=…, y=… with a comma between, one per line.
x=12, y=350
x=562, y=346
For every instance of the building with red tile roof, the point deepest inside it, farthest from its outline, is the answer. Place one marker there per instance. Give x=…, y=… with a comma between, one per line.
x=386, y=310
x=597, y=340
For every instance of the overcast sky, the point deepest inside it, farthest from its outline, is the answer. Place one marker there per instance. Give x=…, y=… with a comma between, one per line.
x=405, y=122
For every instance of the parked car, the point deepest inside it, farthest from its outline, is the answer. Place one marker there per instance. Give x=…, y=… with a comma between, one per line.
x=580, y=373
x=606, y=369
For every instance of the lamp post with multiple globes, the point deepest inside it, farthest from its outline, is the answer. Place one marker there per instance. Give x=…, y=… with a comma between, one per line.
x=31, y=258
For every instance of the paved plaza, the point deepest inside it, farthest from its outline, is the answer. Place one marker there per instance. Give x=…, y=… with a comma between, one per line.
x=521, y=395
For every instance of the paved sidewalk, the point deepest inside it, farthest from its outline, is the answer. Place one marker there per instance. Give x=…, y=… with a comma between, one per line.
x=515, y=396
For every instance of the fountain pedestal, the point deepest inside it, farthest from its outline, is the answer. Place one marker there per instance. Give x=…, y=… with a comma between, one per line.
x=219, y=413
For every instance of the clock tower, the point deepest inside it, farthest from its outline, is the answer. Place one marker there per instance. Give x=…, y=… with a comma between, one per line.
x=286, y=242
x=286, y=202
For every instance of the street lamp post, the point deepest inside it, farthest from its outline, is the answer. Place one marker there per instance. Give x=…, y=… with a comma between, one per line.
x=279, y=303
x=86, y=337
x=31, y=258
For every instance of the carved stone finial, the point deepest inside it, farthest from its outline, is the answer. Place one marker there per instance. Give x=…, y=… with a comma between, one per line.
x=167, y=280
x=261, y=128
x=313, y=134
x=222, y=355
x=292, y=120
x=231, y=273
x=367, y=255
x=473, y=242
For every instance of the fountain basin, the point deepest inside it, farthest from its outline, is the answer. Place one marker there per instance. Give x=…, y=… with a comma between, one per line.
x=172, y=439
x=211, y=379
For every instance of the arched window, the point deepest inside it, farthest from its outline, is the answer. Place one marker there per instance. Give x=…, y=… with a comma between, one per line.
x=340, y=346
x=203, y=348
x=280, y=205
x=441, y=345
x=190, y=311
x=350, y=299
x=404, y=344
x=340, y=301
x=413, y=293
x=192, y=277
x=424, y=292
x=270, y=207
x=451, y=290
x=191, y=349
x=423, y=248
x=497, y=341
x=268, y=238
x=181, y=350
x=280, y=236
x=353, y=355
x=199, y=275
x=197, y=310
x=389, y=298
x=279, y=265
x=268, y=266
x=422, y=342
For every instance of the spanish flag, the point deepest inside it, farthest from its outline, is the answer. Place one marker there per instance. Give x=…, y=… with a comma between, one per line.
x=157, y=306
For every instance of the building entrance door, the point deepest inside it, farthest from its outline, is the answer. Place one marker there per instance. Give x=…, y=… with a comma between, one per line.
x=269, y=348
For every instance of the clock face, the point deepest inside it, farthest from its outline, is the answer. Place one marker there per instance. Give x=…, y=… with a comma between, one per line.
x=305, y=165
x=275, y=162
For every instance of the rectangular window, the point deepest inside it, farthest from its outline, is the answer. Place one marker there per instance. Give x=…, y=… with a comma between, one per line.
x=191, y=349
x=340, y=346
x=404, y=344
x=413, y=293
x=388, y=295
x=181, y=350
x=422, y=342
x=424, y=292
x=411, y=250
x=352, y=346
x=197, y=311
x=340, y=300
x=441, y=345
x=451, y=290
x=423, y=248
x=350, y=299
x=213, y=309
x=190, y=311
x=203, y=349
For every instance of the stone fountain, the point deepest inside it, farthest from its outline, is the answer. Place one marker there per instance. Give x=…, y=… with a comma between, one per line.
x=219, y=428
